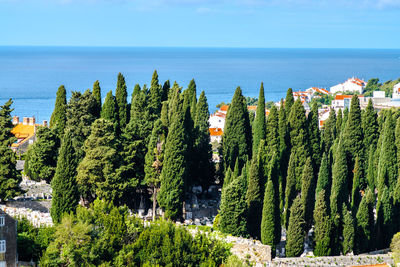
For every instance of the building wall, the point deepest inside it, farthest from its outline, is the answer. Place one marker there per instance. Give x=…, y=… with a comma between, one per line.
x=8, y=232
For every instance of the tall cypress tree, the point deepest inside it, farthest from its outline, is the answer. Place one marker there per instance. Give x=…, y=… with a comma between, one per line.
x=109, y=110
x=295, y=234
x=370, y=125
x=272, y=133
x=315, y=136
x=97, y=96
x=58, y=118
x=364, y=224
x=284, y=153
x=290, y=190
x=345, y=116
x=329, y=131
x=324, y=179
x=289, y=101
x=259, y=121
x=323, y=226
x=357, y=186
x=269, y=221
x=236, y=141
x=122, y=103
x=339, y=191
x=397, y=137
x=339, y=122
x=165, y=91
x=191, y=90
x=65, y=189
x=155, y=96
x=348, y=231
x=174, y=171
x=384, y=219
x=254, y=199
x=371, y=172
x=308, y=193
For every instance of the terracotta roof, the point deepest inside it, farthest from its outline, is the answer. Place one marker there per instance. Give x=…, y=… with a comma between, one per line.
x=215, y=131
x=341, y=97
x=224, y=108
x=23, y=132
x=252, y=108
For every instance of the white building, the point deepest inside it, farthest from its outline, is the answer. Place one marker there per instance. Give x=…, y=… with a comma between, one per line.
x=217, y=120
x=351, y=85
x=312, y=91
x=396, y=91
x=379, y=94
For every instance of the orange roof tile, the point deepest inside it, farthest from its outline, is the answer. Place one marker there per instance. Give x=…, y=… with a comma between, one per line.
x=252, y=108
x=224, y=108
x=24, y=132
x=341, y=97
x=215, y=131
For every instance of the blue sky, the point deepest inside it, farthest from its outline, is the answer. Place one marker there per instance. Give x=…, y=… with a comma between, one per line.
x=202, y=23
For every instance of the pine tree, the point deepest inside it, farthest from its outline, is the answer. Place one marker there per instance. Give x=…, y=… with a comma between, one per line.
x=236, y=141
x=339, y=191
x=323, y=226
x=97, y=96
x=357, y=186
x=10, y=178
x=388, y=165
x=370, y=125
x=155, y=96
x=254, y=199
x=324, y=179
x=364, y=224
x=121, y=99
x=259, y=121
x=348, y=231
x=174, y=171
x=295, y=234
x=96, y=174
x=109, y=111
x=204, y=169
x=384, y=219
x=308, y=193
x=289, y=101
x=65, y=190
x=315, y=136
x=329, y=132
x=58, y=118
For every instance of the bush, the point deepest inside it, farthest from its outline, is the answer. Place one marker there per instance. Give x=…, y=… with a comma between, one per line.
x=395, y=247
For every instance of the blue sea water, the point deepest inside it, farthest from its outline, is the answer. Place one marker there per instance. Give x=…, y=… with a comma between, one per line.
x=31, y=75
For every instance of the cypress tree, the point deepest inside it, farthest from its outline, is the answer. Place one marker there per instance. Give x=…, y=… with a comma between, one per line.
x=324, y=180
x=344, y=119
x=289, y=101
x=254, y=199
x=388, y=165
x=339, y=191
x=272, y=134
x=370, y=125
x=65, y=190
x=323, y=226
x=384, y=219
x=191, y=90
x=268, y=223
x=364, y=224
x=315, y=136
x=97, y=96
x=397, y=137
x=164, y=114
x=121, y=99
x=290, y=190
x=295, y=234
x=173, y=174
x=308, y=193
x=109, y=110
x=165, y=91
x=10, y=178
x=348, y=231
x=329, y=131
x=339, y=122
x=155, y=96
x=284, y=153
x=204, y=169
x=259, y=121
x=357, y=181
x=371, y=168
x=236, y=141
x=189, y=140
x=58, y=118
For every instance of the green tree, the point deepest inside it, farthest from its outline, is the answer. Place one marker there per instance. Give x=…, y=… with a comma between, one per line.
x=236, y=141
x=58, y=118
x=364, y=224
x=259, y=121
x=323, y=226
x=268, y=223
x=10, y=178
x=155, y=96
x=329, y=131
x=308, y=193
x=370, y=125
x=339, y=191
x=384, y=221
x=348, y=231
x=353, y=134
x=121, y=99
x=339, y=122
x=315, y=136
x=290, y=190
x=65, y=189
x=295, y=234
x=371, y=172
x=356, y=188
x=284, y=153
x=165, y=91
x=110, y=110
x=97, y=96
x=41, y=158
x=324, y=178
x=174, y=170
x=289, y=101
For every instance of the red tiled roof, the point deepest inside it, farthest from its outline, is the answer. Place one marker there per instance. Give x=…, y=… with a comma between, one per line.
x=224, y=108
x=215, y=131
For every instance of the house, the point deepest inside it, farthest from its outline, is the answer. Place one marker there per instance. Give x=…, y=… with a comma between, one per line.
x=351, y=85
x=8, y=240
x=304, y=96
x=216, y=134
x=396, y=91
x=341, y=102
x=323, y=115
x=25, y=132
x=217, y=120
x=316, y=92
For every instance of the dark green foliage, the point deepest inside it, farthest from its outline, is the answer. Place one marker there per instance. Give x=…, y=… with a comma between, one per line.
x=315, y=136
x=64, y=185
x=348, y=231
x=371, y=172
x=110, y=110
x=295, y=234
x=284, y=153
x=259, y=121
x=356, y=189
x=41, y=160
x=272, y=134
x=339, y=122
x=254, y=199
x=121, y=99
x=290, y=190
x=165, y=91
x=329, y=132
x=353, y=133
x=364, y=224
x=174, y=170
x=203, y=167
x=96, y=173
x=289, y=101
x=370, y=126
x=154, y=97
x=9, y=176
x=388, y=165
x=339, y=192
x=308, y=193
x=268, y=223
x=384, y=221
x=97, y=96
x=58, y=117
x=397, y=137
x=236, y=141
x=323, y=226
x=324, y=178
x=232, y=212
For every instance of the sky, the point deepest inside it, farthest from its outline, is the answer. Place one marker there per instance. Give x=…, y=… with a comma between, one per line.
x=202, y=23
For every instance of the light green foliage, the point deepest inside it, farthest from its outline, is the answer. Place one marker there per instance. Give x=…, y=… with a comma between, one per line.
x=58, y=117
x=295, y=234
x=323, y=226
x=348, y=231
x=395, y=247
x=290, y=191
x=110, y=111
x=268, y=223
x=41, y=157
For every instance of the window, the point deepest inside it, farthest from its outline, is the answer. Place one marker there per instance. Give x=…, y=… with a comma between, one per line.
x=1, y=220
x=2, y=246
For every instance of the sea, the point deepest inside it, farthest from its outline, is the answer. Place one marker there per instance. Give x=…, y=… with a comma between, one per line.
x=31, y=75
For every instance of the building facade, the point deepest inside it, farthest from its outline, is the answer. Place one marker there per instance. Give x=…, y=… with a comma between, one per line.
x=8, y=240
